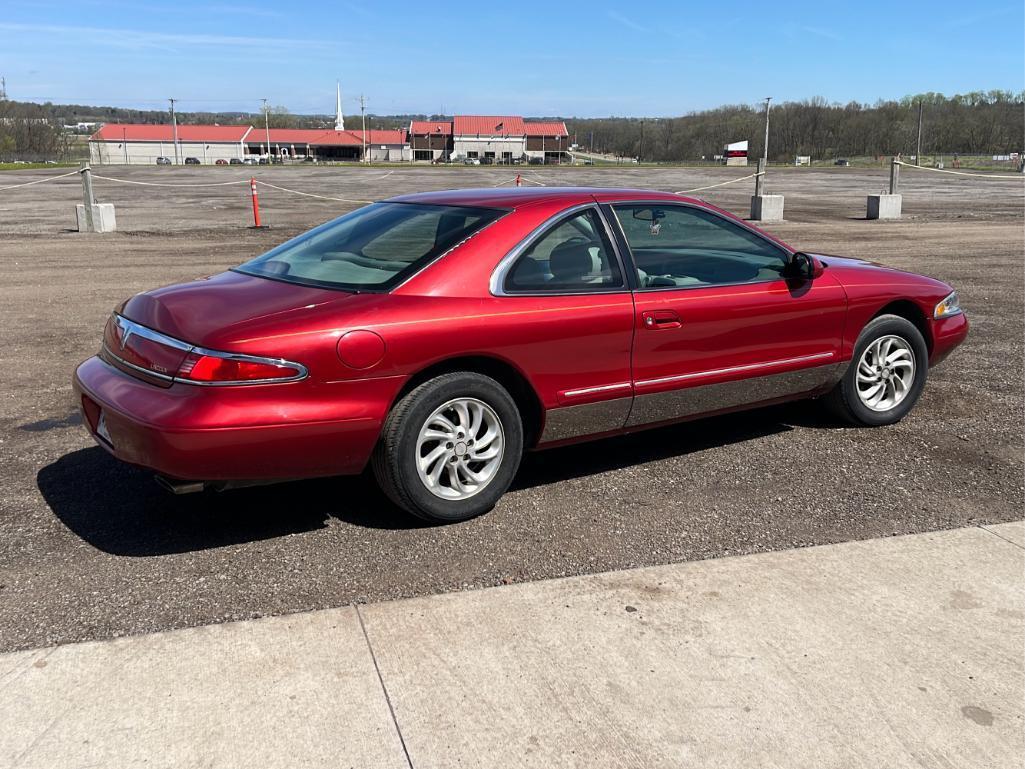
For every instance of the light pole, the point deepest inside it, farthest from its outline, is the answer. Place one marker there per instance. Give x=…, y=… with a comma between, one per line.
x=918, y=148
x=174, y=129
x=124, y=142
x=363, y=119
x=266, y=127
x=765, y=148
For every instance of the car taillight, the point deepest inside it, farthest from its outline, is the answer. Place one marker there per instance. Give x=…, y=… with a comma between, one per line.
x=220, y=368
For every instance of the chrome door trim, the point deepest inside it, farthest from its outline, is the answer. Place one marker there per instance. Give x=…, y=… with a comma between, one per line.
x=734, y=369
x=598, y=389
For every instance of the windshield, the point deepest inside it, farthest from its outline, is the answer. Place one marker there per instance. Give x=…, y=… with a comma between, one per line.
x=373, y=248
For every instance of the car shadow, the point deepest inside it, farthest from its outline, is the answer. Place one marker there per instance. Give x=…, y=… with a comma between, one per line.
x=120, y=510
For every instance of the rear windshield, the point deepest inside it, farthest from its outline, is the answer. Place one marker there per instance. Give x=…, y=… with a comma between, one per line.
x=373, y=248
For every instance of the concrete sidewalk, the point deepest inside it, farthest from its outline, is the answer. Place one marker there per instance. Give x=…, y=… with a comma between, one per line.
x=886, y=653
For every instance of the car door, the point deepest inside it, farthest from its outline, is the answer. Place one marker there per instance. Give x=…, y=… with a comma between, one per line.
x=564, y=295
x=718, y=322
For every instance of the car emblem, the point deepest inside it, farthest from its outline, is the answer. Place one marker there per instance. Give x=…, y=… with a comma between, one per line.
x=126, y=332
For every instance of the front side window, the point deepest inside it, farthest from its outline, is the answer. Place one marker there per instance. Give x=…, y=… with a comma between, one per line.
x=574, y=255
x=683, y=246
x=373, y=248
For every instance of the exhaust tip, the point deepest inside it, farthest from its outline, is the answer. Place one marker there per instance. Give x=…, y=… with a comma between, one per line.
x=176, y=486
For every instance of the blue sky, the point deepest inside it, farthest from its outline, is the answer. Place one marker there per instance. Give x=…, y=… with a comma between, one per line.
x=583, y=59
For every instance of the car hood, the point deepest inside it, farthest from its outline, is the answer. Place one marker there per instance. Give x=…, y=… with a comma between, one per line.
x=229, y=307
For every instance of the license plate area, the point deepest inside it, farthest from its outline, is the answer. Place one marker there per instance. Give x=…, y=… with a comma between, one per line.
x=96, y=420
x=101, y=428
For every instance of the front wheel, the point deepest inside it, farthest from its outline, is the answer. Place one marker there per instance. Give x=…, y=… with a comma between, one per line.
x=886, y=374
x=450, y=447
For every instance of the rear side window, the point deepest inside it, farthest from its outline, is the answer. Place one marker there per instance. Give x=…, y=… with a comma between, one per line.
x=373, y=248
x=574, y=255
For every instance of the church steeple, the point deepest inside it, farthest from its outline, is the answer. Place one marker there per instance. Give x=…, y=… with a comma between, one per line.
x=339, y=119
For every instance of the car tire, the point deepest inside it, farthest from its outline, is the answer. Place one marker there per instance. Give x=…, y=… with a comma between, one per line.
x=402, y=461
x=857, y=397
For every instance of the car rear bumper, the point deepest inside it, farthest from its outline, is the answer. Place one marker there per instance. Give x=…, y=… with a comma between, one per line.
x=947, y=333
x=296, y=430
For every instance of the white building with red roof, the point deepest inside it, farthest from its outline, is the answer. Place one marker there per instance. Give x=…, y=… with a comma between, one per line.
x=133, y=143
x=489, y=139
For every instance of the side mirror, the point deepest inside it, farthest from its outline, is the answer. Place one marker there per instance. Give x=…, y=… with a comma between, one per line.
x=805, y=266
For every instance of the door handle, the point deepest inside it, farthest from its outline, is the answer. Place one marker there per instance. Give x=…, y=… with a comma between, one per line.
x=661, y=319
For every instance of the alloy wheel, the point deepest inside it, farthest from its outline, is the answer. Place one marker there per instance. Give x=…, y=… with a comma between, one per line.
x=886, y=372
x=460, y=448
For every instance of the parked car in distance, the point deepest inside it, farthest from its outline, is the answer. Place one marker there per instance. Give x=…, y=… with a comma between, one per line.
x=249, y=161
x=220, y=162
x=264, y=161
x=841, y=162
x=192, y=161
x=436, y=337
x=471, y=161
x=235, y=161
x=162, y=161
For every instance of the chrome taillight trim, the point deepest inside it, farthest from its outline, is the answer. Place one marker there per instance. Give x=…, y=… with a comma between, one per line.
x=131, y=328
x=303, y=372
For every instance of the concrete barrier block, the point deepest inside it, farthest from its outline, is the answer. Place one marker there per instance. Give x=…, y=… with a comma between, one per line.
x=884, y=206
x=102, y=218
x=767, y=208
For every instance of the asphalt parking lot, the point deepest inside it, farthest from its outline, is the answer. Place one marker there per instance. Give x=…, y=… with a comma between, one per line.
x=90, y=548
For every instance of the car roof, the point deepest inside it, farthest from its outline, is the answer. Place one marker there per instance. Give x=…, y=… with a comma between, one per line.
x=518, y=197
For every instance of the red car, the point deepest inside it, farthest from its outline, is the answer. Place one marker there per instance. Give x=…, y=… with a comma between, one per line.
x=437, y=336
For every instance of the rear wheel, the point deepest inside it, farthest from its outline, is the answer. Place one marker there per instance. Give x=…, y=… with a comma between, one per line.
x=450, y=447
x=886, y=374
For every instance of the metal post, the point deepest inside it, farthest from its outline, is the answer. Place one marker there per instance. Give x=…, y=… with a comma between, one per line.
x=266, y=127
x=174, y=127
x=765, y=147
x=918, y=150
x=759, y=179
x=894, y=176
x=363, y=118
x=87, y=196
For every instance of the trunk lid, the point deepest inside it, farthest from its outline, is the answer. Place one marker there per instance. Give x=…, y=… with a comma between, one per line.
x=151, y=334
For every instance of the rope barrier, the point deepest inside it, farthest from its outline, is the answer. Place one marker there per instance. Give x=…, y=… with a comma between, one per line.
x=522, y=179
x=39, y=181
x=720, y=184
x=311, y=195
x=161, y=184
x=959, y=173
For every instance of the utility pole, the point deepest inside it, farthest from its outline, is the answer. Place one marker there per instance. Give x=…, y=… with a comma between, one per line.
x=918, y=149
x=174, y=128
x=363, y=118
x=266, y=126
x=640, y=147
x=3, y=88
x=765, y=148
